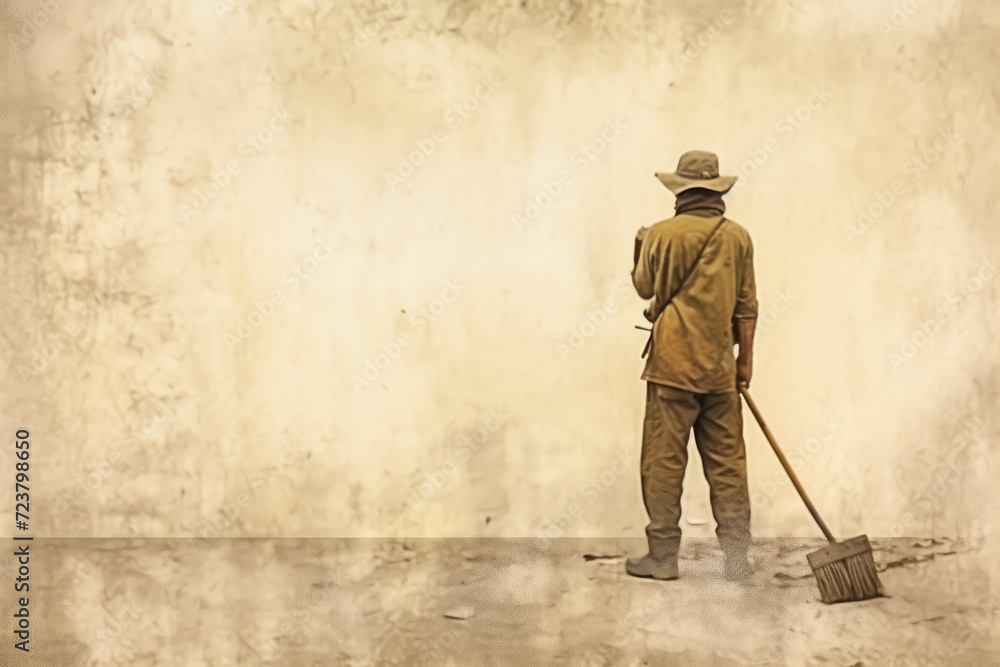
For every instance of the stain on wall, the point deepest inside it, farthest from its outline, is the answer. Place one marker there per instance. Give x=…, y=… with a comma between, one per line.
x=361, y=269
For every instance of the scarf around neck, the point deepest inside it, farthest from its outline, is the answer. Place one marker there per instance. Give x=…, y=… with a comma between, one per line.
x=699, y=199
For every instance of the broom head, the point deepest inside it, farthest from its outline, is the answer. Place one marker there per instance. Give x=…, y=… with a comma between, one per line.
x=845, y=571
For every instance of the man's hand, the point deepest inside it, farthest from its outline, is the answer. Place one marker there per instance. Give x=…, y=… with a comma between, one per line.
x=652, y=311
x=744, y=370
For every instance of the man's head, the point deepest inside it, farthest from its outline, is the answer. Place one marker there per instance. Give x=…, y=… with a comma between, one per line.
x=697, y=169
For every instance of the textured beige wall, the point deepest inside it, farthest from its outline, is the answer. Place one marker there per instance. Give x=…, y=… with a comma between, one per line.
x=154, y=409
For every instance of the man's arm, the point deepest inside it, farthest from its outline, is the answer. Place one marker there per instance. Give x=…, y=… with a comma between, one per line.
x=745, y=327
x=745, y=317
x=642, y=269
x=639, y=237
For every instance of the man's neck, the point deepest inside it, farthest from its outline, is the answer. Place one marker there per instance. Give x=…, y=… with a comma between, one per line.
x=700, y=202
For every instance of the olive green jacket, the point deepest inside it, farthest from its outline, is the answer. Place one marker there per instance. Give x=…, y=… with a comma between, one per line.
x=693, y=335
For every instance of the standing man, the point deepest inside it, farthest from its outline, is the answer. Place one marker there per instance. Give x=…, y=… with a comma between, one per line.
x=697, y=269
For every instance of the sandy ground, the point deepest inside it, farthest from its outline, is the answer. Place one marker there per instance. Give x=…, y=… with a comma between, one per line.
x=490, y=602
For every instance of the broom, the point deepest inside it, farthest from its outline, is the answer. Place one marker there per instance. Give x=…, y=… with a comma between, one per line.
x=845, y=571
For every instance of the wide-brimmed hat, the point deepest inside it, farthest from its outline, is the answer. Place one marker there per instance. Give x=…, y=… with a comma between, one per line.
x=697, y=169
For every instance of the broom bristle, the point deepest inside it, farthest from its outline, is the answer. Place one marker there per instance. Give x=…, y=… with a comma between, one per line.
x=849, y=579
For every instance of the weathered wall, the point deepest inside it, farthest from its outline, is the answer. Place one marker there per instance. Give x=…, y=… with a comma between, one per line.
x=158, y=400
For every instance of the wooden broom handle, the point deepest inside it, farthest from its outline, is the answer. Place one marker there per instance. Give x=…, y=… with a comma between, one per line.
x=785, y=464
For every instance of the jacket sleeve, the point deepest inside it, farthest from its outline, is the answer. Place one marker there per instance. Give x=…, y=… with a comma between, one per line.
x=643, y=273
x=746, y=294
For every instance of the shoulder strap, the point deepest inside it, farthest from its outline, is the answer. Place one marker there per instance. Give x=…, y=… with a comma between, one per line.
x=694, y=265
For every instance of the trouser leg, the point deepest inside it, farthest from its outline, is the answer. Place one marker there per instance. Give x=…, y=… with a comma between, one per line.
x=719, y=436
x=670, y=413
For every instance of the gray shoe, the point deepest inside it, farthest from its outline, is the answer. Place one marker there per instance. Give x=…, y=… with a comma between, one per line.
x=650, y=568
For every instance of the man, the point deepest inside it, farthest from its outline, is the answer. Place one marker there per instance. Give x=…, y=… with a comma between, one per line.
x=697, y=268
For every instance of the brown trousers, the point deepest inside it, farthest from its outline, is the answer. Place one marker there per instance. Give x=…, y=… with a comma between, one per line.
x=717, y=420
